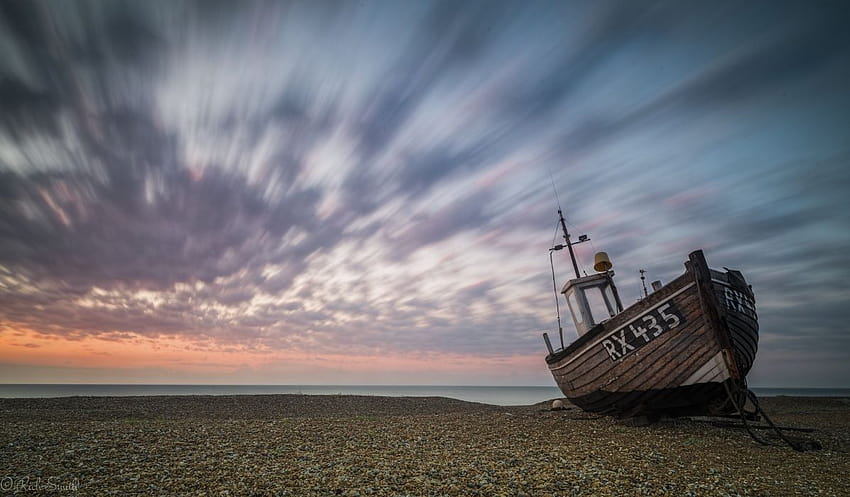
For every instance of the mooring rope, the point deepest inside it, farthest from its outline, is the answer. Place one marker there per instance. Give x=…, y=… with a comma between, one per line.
x=740, y=410
x=755, y=402
x=752, y=396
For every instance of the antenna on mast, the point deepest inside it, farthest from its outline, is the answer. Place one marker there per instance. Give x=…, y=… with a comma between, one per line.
x=570, y=244
x=643, y=282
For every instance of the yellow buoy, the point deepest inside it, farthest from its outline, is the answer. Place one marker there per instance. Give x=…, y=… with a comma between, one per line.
x=601, y=262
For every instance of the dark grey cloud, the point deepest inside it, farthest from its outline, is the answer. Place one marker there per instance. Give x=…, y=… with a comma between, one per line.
x=447, y=42
x=604, y=31
x=24, y=20
x=58, y=55
x=422, y=171
x=423, y=230
x=450, y=36
x=26, y=108
x=793, y=53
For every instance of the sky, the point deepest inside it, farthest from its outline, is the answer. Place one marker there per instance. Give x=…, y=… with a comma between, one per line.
x=340, y=192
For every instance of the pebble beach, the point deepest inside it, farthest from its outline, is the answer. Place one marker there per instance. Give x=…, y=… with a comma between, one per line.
x=276, y=445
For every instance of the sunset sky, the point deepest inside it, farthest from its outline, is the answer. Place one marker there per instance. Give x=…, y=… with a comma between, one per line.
x=340, y=192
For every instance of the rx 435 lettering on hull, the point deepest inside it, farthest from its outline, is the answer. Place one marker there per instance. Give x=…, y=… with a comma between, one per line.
x=634, y=335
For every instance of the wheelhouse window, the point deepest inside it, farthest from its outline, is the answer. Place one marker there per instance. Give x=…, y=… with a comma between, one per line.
x=591, y=301
x=599, y=306
x=575, y=310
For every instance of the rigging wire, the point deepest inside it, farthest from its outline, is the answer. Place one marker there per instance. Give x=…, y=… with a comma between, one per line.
x=555, y=190
x=581, y=265
x=555, y=236
x=557, y=304
x=552, y=263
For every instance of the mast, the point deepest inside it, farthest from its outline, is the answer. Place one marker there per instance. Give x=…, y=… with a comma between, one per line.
x=569, y=244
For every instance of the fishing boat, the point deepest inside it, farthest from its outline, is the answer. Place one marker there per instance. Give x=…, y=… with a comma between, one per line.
x=683, y=349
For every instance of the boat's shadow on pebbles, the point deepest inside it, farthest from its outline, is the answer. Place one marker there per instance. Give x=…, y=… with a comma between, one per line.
x=810, y=424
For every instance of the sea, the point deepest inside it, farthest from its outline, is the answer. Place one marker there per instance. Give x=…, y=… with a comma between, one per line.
x=496, y=395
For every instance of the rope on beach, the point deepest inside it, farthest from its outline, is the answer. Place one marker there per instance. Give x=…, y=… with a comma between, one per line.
x=740, y=408
x=794, y=445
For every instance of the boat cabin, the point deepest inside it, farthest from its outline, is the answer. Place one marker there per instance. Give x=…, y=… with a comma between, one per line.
x=592, y=300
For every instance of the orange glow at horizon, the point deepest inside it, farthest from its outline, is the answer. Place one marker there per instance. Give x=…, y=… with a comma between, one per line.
x=133, y=351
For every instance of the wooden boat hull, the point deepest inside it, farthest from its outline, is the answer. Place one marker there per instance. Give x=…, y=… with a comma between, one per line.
x=737, y=299
x=670, y=353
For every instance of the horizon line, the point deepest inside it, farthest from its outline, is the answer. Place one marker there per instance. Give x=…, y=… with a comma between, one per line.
x=352, y=385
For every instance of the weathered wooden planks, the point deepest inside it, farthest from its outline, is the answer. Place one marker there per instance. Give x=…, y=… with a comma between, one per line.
x=680, y=369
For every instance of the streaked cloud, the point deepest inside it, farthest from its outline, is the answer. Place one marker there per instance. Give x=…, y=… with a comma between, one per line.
x=293, y=183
